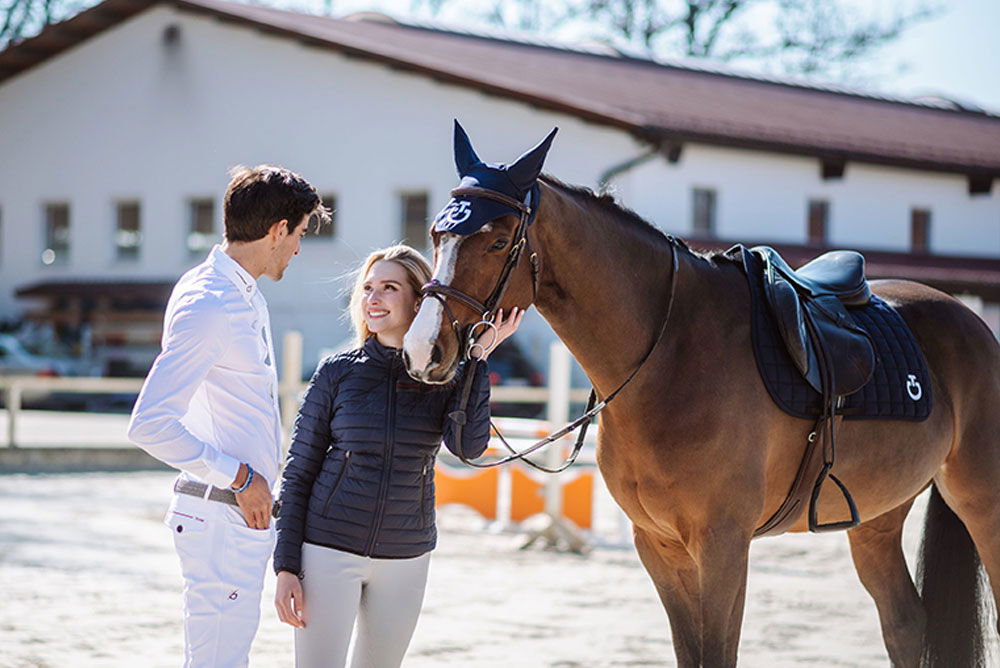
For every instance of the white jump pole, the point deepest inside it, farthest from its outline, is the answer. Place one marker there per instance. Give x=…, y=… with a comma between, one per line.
x=291, y=382
x=558, y=415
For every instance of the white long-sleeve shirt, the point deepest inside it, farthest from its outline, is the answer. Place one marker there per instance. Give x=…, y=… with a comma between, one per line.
x=210, y=399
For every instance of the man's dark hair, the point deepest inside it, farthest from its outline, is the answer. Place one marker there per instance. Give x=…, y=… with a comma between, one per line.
x=258, y=197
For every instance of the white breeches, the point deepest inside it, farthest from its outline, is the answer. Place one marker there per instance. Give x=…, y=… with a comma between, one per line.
x=223, y=563
x=383, y=595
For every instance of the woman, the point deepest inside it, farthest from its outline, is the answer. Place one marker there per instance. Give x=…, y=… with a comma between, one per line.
x=357, y=516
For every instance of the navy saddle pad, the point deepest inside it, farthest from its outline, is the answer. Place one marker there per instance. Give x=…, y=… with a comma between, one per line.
x=900, y=387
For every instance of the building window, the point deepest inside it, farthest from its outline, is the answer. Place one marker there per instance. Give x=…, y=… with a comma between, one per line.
x=56, y=234
x=703, y=212
x=819, y=217
x=329, y=230
x=413, y=208
x=128, y=233
x=920, y=230
x=201, y=235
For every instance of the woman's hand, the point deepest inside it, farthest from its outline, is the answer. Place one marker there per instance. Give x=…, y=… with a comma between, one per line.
x=504, y=329
x=289, y=600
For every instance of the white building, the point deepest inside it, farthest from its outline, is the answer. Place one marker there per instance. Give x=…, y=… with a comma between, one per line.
x=117, y=129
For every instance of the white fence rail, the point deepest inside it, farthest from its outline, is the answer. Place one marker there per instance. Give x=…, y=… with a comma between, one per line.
x=15, y=388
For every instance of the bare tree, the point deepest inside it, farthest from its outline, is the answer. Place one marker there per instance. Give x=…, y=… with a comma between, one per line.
x=23, y=18
x=790, y=36
x=816, y=37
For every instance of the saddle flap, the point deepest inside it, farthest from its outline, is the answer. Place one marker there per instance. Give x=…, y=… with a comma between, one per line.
x=787, y=311
x=836, y=339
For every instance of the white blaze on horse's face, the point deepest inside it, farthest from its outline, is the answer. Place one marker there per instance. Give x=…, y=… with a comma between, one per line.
x=418, y=343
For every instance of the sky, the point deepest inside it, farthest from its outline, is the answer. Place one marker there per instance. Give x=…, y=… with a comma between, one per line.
x=956, y=54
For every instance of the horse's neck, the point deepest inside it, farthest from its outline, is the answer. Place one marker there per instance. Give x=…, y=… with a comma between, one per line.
x=603, y=289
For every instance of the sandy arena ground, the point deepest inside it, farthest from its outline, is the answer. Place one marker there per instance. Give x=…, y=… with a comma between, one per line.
x=88, y=577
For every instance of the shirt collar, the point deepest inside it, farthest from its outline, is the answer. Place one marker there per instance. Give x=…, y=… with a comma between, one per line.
x=231, y=269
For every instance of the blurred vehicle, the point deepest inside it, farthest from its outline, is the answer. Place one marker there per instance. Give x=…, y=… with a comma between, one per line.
x=15, y=360
x=511, y=367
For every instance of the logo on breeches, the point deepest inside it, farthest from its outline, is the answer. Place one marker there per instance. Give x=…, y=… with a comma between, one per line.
x=913, y=387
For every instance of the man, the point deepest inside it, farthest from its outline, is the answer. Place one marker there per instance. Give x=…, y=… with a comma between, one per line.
x=209, y=407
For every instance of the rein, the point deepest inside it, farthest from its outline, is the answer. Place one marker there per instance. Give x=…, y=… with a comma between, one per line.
x=485, y=310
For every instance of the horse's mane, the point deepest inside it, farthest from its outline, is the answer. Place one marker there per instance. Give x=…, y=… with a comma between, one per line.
x=607, y=203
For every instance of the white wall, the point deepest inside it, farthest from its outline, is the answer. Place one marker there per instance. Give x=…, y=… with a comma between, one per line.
x=124, y=117
x=121, y=116
x=765, y=196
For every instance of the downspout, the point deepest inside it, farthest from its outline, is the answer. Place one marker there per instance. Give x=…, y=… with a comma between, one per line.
x=671, y=150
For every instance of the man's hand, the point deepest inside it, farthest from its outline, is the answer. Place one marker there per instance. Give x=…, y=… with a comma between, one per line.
x=256, y=501
x=289, y=600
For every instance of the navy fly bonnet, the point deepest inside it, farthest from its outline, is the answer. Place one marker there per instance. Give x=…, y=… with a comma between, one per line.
x=465, y=214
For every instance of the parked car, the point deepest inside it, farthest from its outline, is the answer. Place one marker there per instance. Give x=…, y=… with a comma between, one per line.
x=16, y=360
x=510, y=366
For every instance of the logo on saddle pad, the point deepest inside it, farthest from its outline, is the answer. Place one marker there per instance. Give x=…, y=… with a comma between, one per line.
x=913, y=387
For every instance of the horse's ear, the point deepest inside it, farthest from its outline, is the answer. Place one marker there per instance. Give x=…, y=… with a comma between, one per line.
x=465, y=156
x=526, y=169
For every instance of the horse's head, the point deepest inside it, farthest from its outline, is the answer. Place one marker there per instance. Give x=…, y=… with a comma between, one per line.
x=482, y=259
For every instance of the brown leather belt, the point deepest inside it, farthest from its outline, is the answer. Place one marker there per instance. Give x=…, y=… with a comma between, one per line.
x=198, y=489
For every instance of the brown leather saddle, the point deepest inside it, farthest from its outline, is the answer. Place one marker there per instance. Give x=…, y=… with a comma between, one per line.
x=833, y=354
x=809, y=306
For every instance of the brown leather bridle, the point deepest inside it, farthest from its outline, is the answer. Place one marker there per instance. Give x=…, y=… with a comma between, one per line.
x=487, y=310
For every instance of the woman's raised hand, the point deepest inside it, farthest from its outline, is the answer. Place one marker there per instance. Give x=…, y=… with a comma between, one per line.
x=505, y=327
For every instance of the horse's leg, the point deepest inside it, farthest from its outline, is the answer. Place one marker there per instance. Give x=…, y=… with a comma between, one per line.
x=675, y=576
x=722, y=556
x=877, y=550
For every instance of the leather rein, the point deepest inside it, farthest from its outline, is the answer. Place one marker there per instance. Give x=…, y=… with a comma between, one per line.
x=486, y=311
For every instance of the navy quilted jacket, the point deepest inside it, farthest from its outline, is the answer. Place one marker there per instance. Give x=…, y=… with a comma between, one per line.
x=360, y=473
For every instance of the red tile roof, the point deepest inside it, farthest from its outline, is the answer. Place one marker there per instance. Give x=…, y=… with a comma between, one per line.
x=949, y=273
x=660, y=103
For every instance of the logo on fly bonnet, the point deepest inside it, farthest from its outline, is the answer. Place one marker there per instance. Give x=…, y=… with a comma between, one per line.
x=454, y=213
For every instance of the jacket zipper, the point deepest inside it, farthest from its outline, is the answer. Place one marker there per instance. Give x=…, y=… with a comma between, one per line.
x=423, y=493
x=336, y=485
x=390, y=445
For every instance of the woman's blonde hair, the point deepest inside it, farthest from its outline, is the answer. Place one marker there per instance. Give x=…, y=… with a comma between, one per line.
x=418, y=271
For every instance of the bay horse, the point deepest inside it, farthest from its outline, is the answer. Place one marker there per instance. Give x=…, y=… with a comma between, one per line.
x=695, y=451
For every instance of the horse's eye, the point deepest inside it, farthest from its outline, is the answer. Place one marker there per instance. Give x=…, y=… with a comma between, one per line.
x=499, y=245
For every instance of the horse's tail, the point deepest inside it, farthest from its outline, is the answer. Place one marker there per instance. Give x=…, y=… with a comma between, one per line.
x=951, y=586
